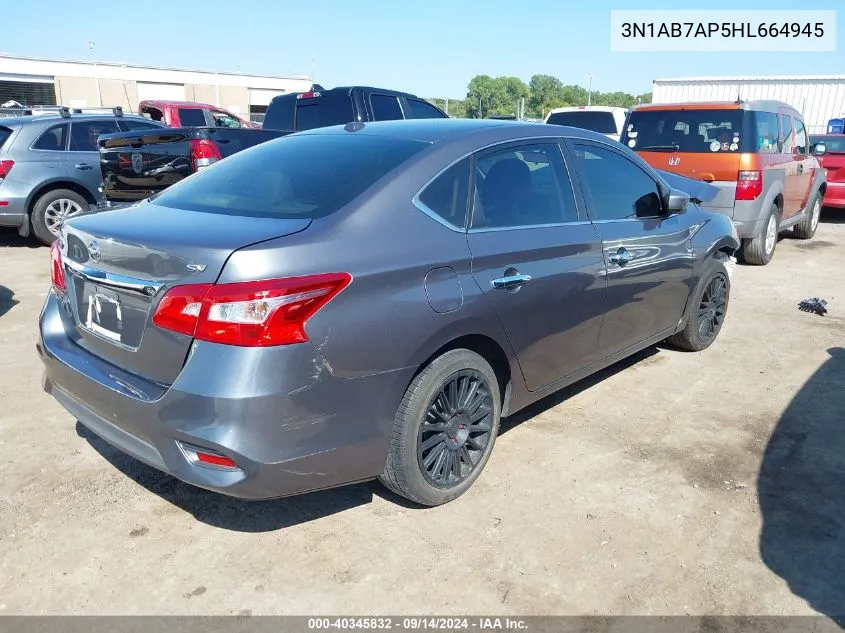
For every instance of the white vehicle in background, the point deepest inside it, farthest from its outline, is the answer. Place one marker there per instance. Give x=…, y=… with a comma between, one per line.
x=605, y=120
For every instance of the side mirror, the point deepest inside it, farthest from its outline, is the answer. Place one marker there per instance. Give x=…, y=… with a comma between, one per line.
x=678, y=201
x=819, y=149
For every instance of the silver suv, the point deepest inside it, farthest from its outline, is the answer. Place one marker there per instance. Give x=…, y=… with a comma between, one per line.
x=50, y=166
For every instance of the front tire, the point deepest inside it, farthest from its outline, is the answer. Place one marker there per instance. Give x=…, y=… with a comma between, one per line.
x=806, y=228
x=706, y=315
x=52, y=208
x=444, y=430
x=760, y=249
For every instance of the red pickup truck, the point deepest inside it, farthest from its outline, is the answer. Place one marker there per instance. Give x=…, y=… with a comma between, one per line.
x=192, y=114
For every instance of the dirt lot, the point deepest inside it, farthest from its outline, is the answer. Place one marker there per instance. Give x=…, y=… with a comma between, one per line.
x=675, y=483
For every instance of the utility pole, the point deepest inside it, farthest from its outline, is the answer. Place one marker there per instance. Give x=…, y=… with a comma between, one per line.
x=590, y=91
x=96, y=79
x=447, y=107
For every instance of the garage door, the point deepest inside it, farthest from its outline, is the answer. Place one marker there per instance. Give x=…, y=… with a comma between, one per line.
x=163, y=92
x=258, y=97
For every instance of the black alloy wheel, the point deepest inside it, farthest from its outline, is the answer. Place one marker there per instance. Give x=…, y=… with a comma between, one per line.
x=456, y=430
x=711, y=311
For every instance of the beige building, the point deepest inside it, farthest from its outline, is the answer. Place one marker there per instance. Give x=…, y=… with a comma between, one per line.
x=80, y=84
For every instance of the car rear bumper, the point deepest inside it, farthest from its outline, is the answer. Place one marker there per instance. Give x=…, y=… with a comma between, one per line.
x=834, y=196
x=12, y=207
x=289, y=425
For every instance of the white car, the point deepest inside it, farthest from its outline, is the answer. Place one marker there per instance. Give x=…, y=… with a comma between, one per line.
x=602, y=119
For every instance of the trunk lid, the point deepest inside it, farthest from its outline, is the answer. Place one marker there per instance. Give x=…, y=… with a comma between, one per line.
x=120, y=263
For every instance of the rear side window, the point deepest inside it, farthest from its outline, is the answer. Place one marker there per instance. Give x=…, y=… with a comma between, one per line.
x=692, y=131
x=601, y=122
x=423, y=110
x=386, y=108
x=446, y=196
x=5, y=133
x=786, y=132
x=192, y=117
x=53, y=139
x=307, y=176
x=332, y=108
x=765, y=127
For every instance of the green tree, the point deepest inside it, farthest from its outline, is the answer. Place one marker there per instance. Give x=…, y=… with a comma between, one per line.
x=545, y=94
x=485, y=96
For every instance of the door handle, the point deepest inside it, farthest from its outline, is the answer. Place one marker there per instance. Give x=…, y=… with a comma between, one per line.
x=620, y=257
x=800, y=168
x=510, y=282
x=83, y=166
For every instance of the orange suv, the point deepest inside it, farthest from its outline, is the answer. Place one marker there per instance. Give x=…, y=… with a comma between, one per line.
x=755, y=152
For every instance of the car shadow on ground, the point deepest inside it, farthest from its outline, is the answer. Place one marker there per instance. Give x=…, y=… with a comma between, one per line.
x=218, y=510
x=7, y=300
x=801, y=492
x=11, y=238
x=265, y=516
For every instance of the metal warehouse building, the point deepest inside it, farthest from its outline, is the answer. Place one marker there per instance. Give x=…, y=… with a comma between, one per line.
x=819, y=97
x=78, y=84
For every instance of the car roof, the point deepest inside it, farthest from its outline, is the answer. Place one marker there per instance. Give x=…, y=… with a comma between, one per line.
x=32, y=119
x=755, y=105
x=442, y=131
x=182, y=104
x=588, y=109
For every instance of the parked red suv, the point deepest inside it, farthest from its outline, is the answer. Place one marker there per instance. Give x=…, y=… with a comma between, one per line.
x=830, y=151
x=191, y=114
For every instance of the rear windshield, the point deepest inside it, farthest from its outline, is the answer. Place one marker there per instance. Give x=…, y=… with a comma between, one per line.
x=4, y=134
x=701, y=131
x=306, y=176
x=832, y=144
x=332, y=108
x=192, y=117
x=601, y=122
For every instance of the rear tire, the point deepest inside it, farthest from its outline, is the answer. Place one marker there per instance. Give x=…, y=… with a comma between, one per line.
x=51, y=208
x=706, y=313
x=760, y=249
x=806, y=228
x=444, y=430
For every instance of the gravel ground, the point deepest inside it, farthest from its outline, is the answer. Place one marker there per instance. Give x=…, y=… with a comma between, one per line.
x=672, y=483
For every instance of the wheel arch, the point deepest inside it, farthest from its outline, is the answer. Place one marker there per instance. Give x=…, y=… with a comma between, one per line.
x=59, y=183
x=491, y=351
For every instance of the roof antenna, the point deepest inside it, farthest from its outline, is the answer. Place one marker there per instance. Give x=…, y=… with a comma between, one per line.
x=738, y=98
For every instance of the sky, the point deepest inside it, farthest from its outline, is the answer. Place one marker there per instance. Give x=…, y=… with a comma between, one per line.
x=428, y=47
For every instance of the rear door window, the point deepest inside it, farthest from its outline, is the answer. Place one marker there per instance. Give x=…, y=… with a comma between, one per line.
x=386, y=108
x=800, y=138
x=53, y=139
x=192, y=117
x=84, y=134
x=786, y=134
x=272, y=179
x=601, y=122
x=692, y=131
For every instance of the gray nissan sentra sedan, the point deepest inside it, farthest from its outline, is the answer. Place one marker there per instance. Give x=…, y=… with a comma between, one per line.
x=369, y=301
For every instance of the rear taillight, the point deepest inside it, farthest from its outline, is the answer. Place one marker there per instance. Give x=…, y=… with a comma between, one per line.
x=57, y=269
x=6, y=167
x=204, y=153
x=749, y=185
x=250, y=314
